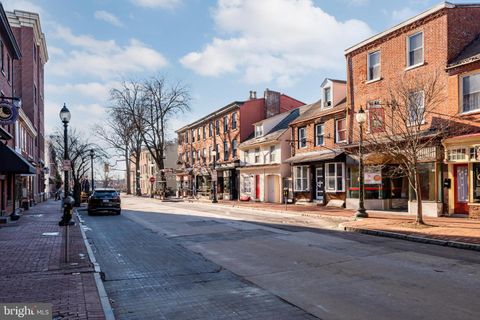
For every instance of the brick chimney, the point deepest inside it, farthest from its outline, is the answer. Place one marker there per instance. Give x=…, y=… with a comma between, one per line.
x=272, y=103
x=253, y=95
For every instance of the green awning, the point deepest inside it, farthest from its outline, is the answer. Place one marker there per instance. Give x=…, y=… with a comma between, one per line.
x=12, y=162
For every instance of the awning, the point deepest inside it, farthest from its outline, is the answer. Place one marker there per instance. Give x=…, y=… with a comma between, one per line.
x=314, y=156
x=12, y=162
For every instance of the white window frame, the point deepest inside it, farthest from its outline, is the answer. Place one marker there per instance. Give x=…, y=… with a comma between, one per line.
x=234, y=148
x=335, y=177
x=337, y=138
x=462, y=94
x=322, y=125
x=379, y=65
x=257, y=155
x=272, y=153
x=247, y=184
x=300, y=139
x=409, y=64
x=416, y=122
x=325, y=103
x=303, y=181
x=246, y=156
x=258, y=130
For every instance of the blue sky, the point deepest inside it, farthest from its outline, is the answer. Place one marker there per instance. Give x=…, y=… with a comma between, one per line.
x=221, y=49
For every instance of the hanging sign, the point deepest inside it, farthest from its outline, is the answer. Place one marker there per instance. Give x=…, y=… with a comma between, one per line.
x=67, y=165
x=8, y=113
x=372, y=175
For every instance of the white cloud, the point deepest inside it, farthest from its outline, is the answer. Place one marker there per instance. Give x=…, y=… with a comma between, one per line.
x=403, y=14
x=24, y=5
x=104, y=59
x=97, y=91
x=108, y=17
x=289, y=39
x=157, y=3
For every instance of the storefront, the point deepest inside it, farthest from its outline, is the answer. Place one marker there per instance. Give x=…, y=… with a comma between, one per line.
x=387, y=188
x=462, y=155
x=261, y=183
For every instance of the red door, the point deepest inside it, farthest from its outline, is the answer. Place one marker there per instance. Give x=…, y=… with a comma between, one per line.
x=257, y=187
x=461, y=189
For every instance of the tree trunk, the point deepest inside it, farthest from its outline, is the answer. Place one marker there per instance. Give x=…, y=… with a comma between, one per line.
x=419, y=219
x=138, y=189
x=127, y=175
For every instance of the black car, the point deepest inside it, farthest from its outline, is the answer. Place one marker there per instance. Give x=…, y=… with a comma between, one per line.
x=104, y=199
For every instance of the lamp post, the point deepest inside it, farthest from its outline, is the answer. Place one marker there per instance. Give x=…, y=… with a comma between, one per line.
x=65, y=117
x=92, y=154
x=361, y=117
x=214, y=176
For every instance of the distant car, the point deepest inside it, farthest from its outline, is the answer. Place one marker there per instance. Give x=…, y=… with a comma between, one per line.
x=104, y=199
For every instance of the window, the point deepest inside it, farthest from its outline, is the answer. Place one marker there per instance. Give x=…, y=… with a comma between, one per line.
x=217, y=147
x=373, y=66
x=302, y=137
x=204, y=133
x=210, y=129
x=217, y=127
x=301, y=178
x=415, y=49
x=457, y=154
x=9, y=70
x=258, y=130
x=327, y=97
x=247, y=183
x=204, y=154
x=225, y=150
x=246, y=156
x=234, y=148
x=272, y=153
x=225, y=124
x=193, y=135
x=210, y=154
x=341, y=130
x=193, y=156
x=257, y=155
x=375, y=116
x=198, y=134
x=186, y=136
x=416, y=108
x=234, y=120
x=335, y=177
x=471, y=92
x=198, y=155
x=319, y=134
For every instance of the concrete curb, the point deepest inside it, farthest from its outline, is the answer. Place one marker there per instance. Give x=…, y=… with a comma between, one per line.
x=107, y=308
x=402, y=236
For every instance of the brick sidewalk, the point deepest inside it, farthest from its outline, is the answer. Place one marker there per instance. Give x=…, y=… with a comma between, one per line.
x=462, y=230
x=32, y=267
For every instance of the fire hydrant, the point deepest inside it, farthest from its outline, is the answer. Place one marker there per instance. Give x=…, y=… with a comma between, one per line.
x=67, y=211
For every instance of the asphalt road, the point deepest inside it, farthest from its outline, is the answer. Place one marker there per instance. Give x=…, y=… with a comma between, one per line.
x=195, y=261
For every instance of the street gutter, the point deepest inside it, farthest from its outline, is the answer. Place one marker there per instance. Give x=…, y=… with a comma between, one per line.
x=104, y=300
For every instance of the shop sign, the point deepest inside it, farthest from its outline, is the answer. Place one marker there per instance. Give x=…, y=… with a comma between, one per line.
x=372, y=175
x=8, y=113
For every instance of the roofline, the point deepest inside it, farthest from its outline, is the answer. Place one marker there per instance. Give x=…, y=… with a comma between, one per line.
x=328, y=112
x=222, y=110
x=243, y=146
x=419, y=16
x=17, y=54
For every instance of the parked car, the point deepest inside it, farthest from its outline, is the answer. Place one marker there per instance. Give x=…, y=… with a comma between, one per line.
x=104, y=199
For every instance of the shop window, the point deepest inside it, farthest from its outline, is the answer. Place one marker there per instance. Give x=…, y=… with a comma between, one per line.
x=301, y=176
x=471, y=93
x=457, y=154
x=427, y=181
x=247, y=184
x=476, y=182
x=335, y=177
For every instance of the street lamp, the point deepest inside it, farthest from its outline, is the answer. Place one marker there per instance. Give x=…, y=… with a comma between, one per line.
x=214, y=176
x=92, y=154
x=65, y=117
x=361, y=117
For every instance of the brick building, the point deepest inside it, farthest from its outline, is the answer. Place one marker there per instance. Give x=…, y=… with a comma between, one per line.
x=215, y=139
x=422, y=45
x=29, y=85
x=318, y=135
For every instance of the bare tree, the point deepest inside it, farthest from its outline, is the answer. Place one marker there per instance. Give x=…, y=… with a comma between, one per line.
x=79, y=154
x=406, y=125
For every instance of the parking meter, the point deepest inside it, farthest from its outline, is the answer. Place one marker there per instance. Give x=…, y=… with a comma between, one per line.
x=67, y=211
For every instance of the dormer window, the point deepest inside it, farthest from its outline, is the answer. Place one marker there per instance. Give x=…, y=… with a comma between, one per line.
x=327, y=97
x=258, y=130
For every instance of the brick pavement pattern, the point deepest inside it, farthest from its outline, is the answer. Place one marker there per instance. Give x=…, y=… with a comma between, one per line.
x=150, y=276
x=32, y=267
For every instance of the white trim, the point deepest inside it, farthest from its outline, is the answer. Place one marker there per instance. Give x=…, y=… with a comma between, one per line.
x=337, y=140
x=408, y=66
x=336, y=176
x=304, y=188
x=305, y=137
x=316, y=134
x=460, y=93
x=405, y=23
x=379, y=65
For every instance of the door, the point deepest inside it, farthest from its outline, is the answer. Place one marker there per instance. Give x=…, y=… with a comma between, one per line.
x=257, y=186
x=319, y=179
x=461, y=189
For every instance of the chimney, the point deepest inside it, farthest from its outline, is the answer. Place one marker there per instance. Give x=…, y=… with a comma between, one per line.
x=272, y=103
x=253, y=95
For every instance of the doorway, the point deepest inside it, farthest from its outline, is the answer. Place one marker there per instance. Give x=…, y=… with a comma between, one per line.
x=319, y=180
x=257, y=187
x=461, y=189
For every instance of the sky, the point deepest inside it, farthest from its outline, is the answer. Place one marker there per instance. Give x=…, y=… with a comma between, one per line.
x=221, y=49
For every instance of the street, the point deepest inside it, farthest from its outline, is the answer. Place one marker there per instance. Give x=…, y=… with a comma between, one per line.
x=194, y=261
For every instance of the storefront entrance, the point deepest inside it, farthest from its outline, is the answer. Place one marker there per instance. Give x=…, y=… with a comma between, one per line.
x=461, y=189
x=257, y=186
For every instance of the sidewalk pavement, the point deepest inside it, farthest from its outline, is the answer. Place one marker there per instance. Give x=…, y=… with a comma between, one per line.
x=449, y=231
x=32, y=267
